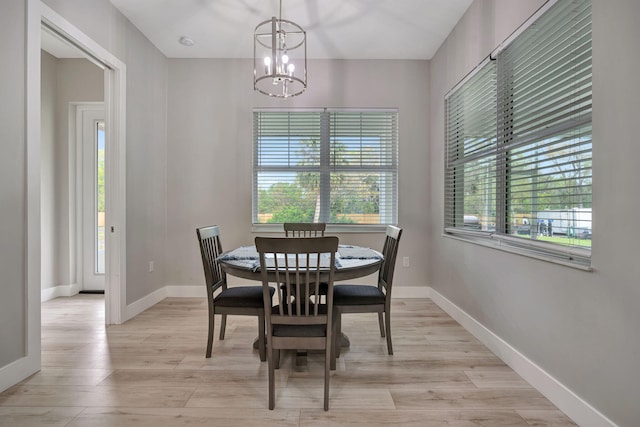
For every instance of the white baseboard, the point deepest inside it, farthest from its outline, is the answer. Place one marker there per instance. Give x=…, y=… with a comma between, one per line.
x=18, y=370
x=148, y=301
x=186, y=291
x=59, y=291
x=410, y=292
x=566, y=400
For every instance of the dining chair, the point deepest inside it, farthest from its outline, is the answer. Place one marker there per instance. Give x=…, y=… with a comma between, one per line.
x=371, y=298
x=293, y=323
x=224, y=300
x=304, y=229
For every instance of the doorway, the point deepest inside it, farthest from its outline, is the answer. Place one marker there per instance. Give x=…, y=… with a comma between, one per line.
x=72, y=167
x=90, y=149
x=111, y=249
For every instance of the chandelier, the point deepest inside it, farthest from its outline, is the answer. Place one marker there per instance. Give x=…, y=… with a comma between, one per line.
x=279, y=58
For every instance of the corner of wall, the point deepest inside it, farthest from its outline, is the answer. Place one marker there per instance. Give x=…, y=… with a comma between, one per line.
x=565, y=399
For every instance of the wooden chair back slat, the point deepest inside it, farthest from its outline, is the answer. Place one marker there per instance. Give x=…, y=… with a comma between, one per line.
x=304, y=229
x=298, y=264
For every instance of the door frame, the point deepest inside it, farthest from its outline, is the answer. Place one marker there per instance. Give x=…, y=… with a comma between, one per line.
x=115, y=151
x=39, y=15
x=77, y=178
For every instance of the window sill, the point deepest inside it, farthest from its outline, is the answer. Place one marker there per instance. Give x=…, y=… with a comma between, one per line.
x=331, y=228
x=569, y=257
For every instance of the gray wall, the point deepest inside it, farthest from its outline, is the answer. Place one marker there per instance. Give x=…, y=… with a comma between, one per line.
x=13, y=280
x=146, y=135
x=64, y=81
x=578, y=326
x=209, y=151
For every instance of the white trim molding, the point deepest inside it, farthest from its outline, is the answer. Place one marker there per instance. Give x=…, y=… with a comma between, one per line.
x=411, y=292
x=30, y=363
x=566, y=400
x=16, y=371
x=144, y=303
x=199, y=291
x=186, y=291
x=59, y=291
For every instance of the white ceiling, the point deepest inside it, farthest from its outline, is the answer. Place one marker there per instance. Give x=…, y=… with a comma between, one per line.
x=342, y=29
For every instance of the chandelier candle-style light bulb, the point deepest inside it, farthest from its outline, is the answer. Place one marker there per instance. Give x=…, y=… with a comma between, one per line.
x=280, y=48
x=267, y=65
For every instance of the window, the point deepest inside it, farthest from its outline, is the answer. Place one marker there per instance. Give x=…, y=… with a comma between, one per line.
x=518, y=142
x=333, y=166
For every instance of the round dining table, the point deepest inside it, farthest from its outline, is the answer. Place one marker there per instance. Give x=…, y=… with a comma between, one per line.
x=352, y=262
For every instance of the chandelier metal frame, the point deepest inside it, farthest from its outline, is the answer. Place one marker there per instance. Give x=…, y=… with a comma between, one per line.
x=279, y=47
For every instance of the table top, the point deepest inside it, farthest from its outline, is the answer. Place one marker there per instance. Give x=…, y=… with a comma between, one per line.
x=351, y=262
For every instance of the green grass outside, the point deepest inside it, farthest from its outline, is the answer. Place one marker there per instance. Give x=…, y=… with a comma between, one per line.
x=567, y=241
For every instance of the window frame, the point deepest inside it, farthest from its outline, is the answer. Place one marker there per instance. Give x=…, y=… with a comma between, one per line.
x=326, y=135
x=501, y=237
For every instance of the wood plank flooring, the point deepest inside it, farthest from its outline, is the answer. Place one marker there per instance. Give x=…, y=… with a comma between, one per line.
x=151, y=371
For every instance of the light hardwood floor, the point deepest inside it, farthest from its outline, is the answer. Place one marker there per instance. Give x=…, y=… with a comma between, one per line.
x=151, y=371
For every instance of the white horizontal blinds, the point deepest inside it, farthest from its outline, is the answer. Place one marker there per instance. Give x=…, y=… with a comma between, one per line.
x=544, y=86
x=363, y=166
x=519, y=141
x=545, y=75
x=286, y=165
x=470, y=172
x=337, y=166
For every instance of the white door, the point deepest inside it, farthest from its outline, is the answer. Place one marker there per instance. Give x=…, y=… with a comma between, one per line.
x=92, y=142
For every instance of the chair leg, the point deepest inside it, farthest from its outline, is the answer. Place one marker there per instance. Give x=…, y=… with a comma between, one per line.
x=276, y=359
x=387, y=319
x=381, y=323
x=333, y=355
x=223, y=326
x=210, y=337
x=261, y=338
x=327, y=374
x=272, y=383
x=334, y=343
x=338, y=337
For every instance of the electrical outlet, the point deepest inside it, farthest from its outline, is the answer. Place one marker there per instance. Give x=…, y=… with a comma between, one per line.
x=150, y=266
x=405, y=261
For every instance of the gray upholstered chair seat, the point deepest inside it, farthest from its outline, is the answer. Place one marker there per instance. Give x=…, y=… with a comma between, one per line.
x=357, y=295
x=300, y=330
x=241, y=296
